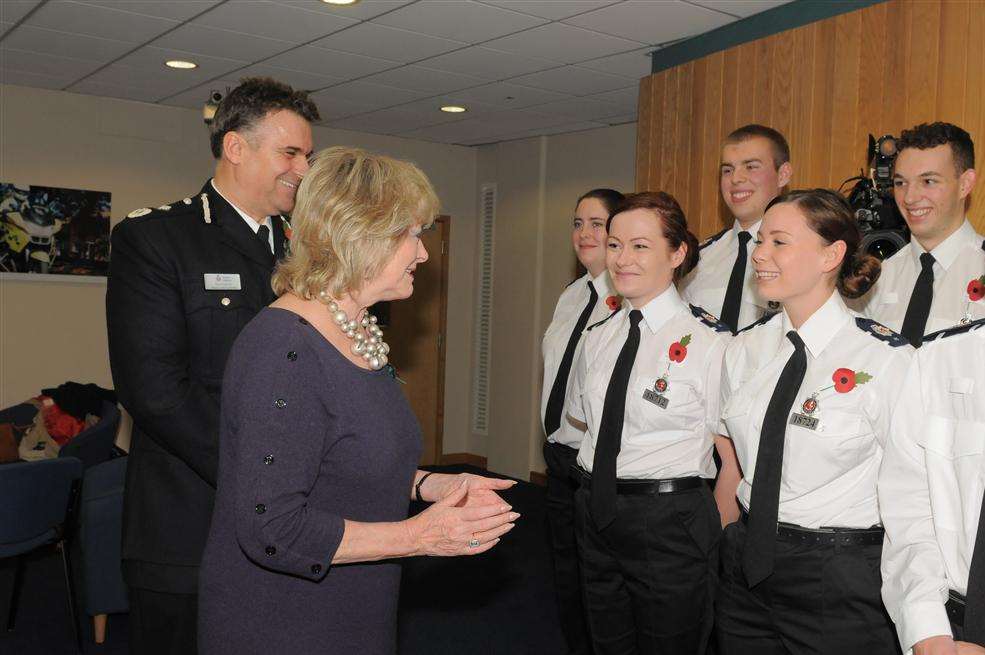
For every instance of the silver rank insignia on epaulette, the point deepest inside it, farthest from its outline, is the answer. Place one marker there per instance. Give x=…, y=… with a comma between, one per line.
x=143, y=211
x=206, y=212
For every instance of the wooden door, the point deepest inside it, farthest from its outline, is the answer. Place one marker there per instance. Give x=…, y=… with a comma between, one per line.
x=416, y=334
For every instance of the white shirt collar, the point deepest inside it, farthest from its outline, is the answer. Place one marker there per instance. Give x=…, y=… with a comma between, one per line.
x=661, y=309
x=602, y=283
x=947, y=250
x=253, y=223
x=753, y=229
x=818, y=330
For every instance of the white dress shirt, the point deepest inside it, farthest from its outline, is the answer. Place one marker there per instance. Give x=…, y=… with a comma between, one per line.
x=829, y=472
x=705, y=286
x=932, y=481
x=658, y=442
x=569, y=307
x=958, y=260
x=253, y=223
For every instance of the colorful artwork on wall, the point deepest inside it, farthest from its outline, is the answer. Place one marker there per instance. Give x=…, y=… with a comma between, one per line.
x=54, y=230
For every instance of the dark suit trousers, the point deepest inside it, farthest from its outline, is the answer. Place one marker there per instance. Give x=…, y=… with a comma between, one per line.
x=650, y=576
x=561, y=529
x=820, y=600
x=163, y=624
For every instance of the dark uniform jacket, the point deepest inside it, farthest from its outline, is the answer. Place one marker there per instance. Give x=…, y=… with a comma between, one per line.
x=169, y=336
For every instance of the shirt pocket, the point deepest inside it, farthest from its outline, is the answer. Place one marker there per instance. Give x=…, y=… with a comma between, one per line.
x=954, y=467
x=677, y=408
x=842, y=437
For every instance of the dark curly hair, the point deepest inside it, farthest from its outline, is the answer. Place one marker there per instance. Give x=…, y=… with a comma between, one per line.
x=830, y=216
x=672, y=221
x=931, y=135
x=248, y=103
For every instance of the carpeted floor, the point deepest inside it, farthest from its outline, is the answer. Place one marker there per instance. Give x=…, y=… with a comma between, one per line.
x=501, y=602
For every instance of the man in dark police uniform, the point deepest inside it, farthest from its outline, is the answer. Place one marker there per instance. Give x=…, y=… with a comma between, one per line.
x=184, y=280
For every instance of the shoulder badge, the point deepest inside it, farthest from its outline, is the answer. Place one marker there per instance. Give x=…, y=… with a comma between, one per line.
x=206, y=212
x=881, y=332
x=762, y=320
x=712, y=239
x=957, y=329
x=708, y=319
x=139, y=212
x=595, y=325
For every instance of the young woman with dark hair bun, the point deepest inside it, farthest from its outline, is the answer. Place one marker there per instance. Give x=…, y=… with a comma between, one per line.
x=806, y=400
x=646, y=390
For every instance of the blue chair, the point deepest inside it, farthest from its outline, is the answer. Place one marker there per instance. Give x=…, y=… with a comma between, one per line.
x=95, y=445
x=39, y=500
x=101, y=541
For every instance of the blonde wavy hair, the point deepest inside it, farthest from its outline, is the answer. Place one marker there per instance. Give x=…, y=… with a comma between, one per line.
x=352, y=209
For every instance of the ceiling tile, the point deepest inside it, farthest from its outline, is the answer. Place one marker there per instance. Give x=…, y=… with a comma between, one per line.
x=563, y=43
x=98, y=21
x=361, y=11
x=152, y=86
x=331, y=107
x=297, y=79
x=635, y=64
x=285, y=21
x=12, y=11
x=619, y=120
x=94, y=88
x=551, y=9
x=63, y=44
x=196, y=97
x=35, y=80
x=741, y=8
x=463, y=20
x=192, y=37
x=321, y=61
x=152, y=60
x=391, y=121
x=418, y=78
x=580, y=108
x=387, y=43
x=5, y=27
x=548, y=131
x=574, y=80
x=432, y=106
x=652, y=22
x=627, y=98
x=374, y=96
x=51, y=65
x=180, y=11
x=458, y=132
x=508, y=95
x=487, y=63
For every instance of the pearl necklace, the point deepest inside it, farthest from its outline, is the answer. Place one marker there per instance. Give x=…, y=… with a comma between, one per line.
x=371, y=348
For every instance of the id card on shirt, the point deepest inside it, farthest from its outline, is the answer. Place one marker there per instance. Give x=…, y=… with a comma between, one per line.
x=222, y=282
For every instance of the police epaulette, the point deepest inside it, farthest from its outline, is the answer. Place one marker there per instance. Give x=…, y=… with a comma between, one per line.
x=762, y=320
x=957, y=329
x=712, y=239
x=595, y=325
x=881, y=332
x=708, y=319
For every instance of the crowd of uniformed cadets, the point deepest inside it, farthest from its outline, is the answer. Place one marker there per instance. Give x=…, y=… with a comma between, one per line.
x=772, y=442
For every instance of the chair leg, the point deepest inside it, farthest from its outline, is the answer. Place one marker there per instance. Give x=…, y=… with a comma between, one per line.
x=15, y=592
x=99, y=627
x=67, y=565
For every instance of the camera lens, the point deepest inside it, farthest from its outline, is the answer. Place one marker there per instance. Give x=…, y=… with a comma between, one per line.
x=883, y=243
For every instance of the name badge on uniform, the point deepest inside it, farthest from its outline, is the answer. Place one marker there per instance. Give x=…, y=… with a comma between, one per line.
x=803, y=421
x=222, y=282
x=652, y=396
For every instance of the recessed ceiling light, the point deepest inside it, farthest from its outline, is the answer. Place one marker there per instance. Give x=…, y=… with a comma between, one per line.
x=340, y=2
x=180, y=63
x=454, y=109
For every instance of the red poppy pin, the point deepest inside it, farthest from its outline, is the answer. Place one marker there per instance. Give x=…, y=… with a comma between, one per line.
x=613, y=302
x=845, y=379
x=678, y=349
x=976, y=289
x=287, y=228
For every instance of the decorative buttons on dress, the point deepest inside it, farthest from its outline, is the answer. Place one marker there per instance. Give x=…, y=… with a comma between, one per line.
x=292, y=355
x=261, y=508
x=268, y=460
x=225, y=302
x=280, y=403
x=270, y=550
x=315, y=569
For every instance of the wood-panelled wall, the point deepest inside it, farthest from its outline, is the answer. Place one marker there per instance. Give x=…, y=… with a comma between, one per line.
x=825, y=86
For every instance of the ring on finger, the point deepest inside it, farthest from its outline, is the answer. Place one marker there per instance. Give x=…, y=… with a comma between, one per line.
x=474, y=541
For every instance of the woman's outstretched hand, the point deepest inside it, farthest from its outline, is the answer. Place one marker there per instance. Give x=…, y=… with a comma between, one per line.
x=481, y=490
x=454, y=526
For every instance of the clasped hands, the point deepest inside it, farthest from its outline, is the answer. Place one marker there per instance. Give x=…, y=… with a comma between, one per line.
x=946, y=645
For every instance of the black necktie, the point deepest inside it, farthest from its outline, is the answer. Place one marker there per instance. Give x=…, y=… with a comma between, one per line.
x=733, y=294
x=603, y=498
x=918, y=310
x=555, y=402
x=757, y=556
x=263, y=236
x=974, y=614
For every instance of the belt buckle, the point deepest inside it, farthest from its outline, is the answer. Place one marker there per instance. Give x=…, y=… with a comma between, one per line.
x=665, y=486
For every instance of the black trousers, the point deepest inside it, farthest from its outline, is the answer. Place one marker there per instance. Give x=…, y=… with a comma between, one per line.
x=561, y=530
x=163, y=624
x=820, y=600
x=650, y=576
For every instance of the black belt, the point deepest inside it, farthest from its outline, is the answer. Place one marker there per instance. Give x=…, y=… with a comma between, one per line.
x=955, y=607
x=792, y=533
x=643, y=487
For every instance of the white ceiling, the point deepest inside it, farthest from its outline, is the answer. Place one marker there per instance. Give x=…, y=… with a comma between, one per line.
x=522, y=67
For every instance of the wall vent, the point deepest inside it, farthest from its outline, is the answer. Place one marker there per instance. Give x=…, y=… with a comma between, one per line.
x=483, y=311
